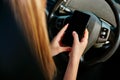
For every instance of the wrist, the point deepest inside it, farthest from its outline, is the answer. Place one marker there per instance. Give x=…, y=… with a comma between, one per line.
x=74, y=60
x=75, y=57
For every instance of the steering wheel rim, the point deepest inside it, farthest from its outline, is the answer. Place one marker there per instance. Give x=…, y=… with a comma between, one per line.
x=116, y=12
x=117, y=39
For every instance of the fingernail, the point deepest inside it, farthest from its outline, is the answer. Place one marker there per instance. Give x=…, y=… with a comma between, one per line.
x=67, y=24
x=74, y=32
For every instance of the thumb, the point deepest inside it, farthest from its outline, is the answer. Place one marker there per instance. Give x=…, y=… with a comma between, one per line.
x=76, y=38
x=64, y=49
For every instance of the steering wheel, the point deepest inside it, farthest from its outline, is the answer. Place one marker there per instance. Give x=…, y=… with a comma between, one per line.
x=104, y=38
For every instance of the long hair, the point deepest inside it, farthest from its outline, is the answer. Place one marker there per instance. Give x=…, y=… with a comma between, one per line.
x=31, y=16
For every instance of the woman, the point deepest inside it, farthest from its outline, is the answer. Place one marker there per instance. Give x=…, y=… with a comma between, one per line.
x=30, y=15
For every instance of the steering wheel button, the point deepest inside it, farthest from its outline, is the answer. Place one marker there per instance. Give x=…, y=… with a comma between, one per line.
x=105, y=29
x=103, y=37
x=103, y=33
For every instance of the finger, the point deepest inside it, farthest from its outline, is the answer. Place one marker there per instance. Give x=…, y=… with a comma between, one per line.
x=76, y=38
x=85, y=35
x=62, y=31
x=64, y=49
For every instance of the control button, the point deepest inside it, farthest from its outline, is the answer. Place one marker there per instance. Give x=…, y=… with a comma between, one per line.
x=104, y=29
x=102, y=37
x=65, y=0
x=104, y=33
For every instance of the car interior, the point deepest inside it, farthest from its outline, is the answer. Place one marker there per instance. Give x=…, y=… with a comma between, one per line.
x=100, y=60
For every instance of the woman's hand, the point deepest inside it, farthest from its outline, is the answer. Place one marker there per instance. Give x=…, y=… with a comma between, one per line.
x=78, y=47
x=75, y=55
x=56, y=45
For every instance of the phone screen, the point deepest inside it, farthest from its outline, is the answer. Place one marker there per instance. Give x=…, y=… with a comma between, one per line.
x=77, y=23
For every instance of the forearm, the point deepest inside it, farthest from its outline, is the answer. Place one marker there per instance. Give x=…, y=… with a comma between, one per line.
x=72, y=69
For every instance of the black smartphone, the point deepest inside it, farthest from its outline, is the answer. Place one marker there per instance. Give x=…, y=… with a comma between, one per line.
x=78, y=23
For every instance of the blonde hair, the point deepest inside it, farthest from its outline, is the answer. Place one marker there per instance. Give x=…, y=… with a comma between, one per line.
x=31, y=16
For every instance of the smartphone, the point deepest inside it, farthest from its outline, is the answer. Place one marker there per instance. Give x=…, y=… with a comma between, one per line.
x=78, y=23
